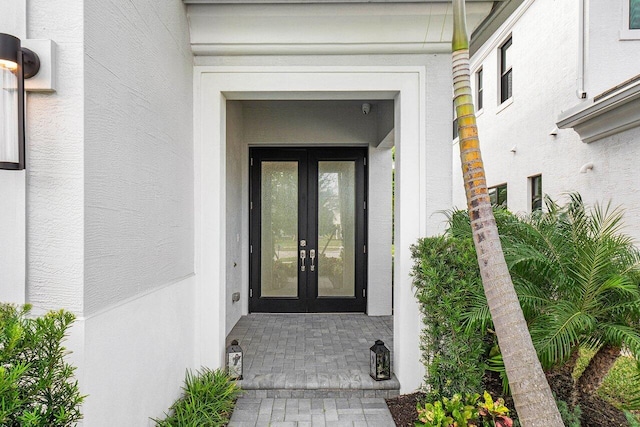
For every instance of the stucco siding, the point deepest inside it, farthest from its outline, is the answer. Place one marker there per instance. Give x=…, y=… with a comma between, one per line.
x=237, y=218
x=138, y=148
x=611, y=60
x=135, y=356
x=55, y=164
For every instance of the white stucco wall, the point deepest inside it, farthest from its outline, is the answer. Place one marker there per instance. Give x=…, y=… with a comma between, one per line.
x=544, y=85
x=139, y=322
x=13, y=234
x=237, y=218
x=138, y=148
x=55, y=164
x=380, y=225
x=136, y=355
x=610, y=59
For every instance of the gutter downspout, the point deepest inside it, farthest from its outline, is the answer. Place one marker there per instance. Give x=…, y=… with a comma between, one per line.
x=580, y=92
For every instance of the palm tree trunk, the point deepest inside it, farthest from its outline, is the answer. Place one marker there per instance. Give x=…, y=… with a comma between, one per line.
x=561, y=379
x=531, y=393
x=568, y=367
x=597, y=369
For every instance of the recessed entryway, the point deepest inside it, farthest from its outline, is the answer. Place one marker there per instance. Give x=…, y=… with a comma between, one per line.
x=307, y=229
x=421, y=158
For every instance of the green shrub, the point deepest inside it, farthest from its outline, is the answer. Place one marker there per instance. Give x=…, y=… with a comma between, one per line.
x=570, y=418
x=446, y=278
x=208, y=400
x=36, y=384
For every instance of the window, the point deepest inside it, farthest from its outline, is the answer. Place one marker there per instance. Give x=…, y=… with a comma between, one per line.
x=455, y=121
x=536, y=192
x=498, y=195
x=506, y=84
x=634, y=14
x=479, y=89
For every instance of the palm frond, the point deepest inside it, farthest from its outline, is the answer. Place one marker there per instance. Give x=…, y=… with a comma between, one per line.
x=621, y=335
x=558, y=330
x=477, y=316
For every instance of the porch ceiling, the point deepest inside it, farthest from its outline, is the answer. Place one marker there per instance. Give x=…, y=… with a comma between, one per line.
x=256, y=27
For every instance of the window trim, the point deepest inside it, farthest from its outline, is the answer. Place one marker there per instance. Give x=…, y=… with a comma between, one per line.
x=626, y=33
x=479, y=89
x=502, y=49
x=532, y=193
x=497, y=187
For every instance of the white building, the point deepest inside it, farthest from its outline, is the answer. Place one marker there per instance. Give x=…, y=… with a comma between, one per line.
x=573, y=114
x=135, y=208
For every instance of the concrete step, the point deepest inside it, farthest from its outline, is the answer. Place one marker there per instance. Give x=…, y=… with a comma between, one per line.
x=371, y=412
x=298, y=384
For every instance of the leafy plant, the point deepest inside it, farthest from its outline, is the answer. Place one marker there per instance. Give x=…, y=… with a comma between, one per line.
x=469, y=411
x=208, y=400
x=570, y=418
x=577, y=277
x=433, y=415
x=494, y=413
x=36, y=384
x=446, y=278
x=447, y=412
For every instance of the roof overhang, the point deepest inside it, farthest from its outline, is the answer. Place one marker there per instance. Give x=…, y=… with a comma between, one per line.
x=609, y=113
x=301, y=27
x=501, y=11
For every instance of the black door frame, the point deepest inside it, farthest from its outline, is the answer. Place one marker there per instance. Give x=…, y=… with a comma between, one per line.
x=307, y=300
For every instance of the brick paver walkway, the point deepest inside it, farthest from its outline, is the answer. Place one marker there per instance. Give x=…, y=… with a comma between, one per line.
x=311, y=370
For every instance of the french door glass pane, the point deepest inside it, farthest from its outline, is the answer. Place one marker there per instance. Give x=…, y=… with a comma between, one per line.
x=336, y=228
x=279, y=234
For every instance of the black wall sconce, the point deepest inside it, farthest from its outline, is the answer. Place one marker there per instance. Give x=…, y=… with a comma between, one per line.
x=16, y=64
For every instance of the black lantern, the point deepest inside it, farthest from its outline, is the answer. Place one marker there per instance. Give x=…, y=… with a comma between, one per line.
x=234, y=360
x=16, y=64
x=380, y=362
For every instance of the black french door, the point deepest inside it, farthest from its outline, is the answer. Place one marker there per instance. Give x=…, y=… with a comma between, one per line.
x=307, y=230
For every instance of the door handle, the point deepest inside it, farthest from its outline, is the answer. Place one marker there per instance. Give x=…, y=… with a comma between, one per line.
x=312, y=255
x=303, y=255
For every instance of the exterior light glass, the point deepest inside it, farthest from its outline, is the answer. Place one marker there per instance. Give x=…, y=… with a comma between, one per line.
x=380, y=362
x=16, y=64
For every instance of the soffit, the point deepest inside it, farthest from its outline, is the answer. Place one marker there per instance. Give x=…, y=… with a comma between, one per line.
x=324, y=27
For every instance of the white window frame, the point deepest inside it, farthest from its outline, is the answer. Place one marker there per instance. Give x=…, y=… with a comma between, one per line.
x=501, y=72
x=479, y=89
x=532, y=192
x=626, y=33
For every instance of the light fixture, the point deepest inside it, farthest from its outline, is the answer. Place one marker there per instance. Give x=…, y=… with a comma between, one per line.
x=380, y=361
x=16, y=64
x=234, y=361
